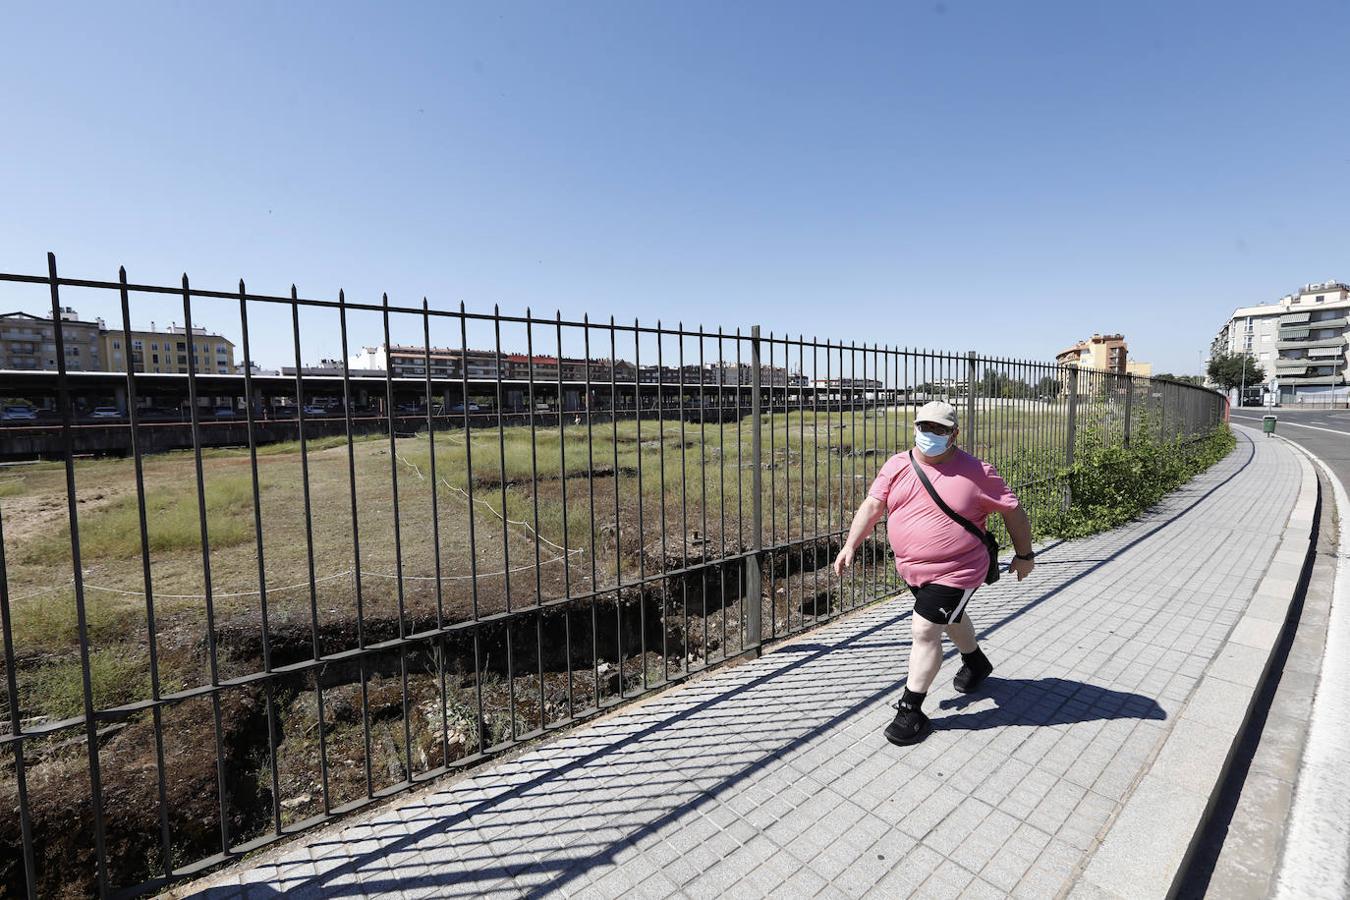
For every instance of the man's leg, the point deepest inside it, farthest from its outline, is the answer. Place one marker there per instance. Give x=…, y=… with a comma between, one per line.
x=962, y=634
x=925, y=657
x=925, y=654
x=975, y=666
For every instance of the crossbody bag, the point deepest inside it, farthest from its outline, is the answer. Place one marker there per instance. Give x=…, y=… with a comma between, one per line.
x=989, y=541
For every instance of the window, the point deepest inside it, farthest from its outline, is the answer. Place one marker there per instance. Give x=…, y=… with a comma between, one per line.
x=117, y=345
x=220, y=348
x=154, y=358
x=137, y=345
x=1320, y=298
x=154, y=346
x=182, y=360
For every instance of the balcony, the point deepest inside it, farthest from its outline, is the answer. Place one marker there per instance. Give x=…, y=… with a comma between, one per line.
x=1312, y=379
x=1295, y=318
x=1338, y=341
x=1287, y=334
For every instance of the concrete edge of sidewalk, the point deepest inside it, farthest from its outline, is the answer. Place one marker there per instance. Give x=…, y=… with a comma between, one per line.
x=1145, y=851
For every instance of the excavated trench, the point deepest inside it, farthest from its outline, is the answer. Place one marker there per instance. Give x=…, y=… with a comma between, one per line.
x=497, y=664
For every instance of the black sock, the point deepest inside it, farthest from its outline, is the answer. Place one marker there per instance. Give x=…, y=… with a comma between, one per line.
x=912, y=699
x=977, y=661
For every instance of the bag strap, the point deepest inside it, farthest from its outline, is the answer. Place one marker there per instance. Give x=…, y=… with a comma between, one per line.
x=962, y=520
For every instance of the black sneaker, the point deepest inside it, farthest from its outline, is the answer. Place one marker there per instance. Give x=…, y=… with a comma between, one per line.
x=968, y=679
x=910, y=727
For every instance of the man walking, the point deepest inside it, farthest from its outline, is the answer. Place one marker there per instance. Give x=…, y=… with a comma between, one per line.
x=942, y=562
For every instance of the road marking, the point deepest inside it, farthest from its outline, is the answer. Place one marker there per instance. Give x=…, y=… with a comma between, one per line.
x=1296, y=425
x=1316, y=857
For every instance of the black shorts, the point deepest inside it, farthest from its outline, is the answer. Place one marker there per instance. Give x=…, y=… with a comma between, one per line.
x=939, y=603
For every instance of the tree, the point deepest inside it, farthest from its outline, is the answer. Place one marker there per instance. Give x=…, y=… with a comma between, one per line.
x=1196, y=380
x=1232, y=370
x=1049, y=386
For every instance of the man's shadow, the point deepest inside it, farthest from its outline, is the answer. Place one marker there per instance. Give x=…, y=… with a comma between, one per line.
x=1044, y=701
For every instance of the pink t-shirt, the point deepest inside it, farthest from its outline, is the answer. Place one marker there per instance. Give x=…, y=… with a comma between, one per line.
x=929, y=546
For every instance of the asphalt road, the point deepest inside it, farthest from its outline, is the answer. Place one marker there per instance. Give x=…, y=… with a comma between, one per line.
x=1316, y=857
x=1325, y=433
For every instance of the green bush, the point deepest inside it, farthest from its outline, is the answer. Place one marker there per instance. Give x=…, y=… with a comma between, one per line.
x=1111, y=485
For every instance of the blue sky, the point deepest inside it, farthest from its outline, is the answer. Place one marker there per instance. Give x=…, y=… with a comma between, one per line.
x=1006, y=177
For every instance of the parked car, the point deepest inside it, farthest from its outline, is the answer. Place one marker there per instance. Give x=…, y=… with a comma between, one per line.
x=459, y=408
x=106, y=412
x=224, y=412
x=313, y=409
x=18, y=414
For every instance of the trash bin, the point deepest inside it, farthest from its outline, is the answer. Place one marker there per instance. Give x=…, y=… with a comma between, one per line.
x=1268, y=425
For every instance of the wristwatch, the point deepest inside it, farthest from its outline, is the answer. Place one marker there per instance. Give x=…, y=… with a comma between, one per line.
x=1029, y=555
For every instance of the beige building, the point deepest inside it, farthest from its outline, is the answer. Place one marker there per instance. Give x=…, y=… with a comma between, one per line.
x=1302, y=341
x=28, y=342
x=166, y=352
x=1104, y=352
x=1142, y=369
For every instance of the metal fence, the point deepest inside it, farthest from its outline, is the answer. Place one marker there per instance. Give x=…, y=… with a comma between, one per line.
x=211, y=648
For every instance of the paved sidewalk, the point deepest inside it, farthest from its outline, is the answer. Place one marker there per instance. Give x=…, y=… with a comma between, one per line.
x=773, y=776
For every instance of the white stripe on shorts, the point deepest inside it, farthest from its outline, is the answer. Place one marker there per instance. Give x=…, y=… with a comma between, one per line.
x=956, y=613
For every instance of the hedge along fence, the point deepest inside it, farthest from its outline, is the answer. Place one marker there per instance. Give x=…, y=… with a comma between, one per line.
x=576, y=515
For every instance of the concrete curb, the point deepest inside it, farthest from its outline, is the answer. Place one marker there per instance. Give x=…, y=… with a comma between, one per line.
x=1145, y=851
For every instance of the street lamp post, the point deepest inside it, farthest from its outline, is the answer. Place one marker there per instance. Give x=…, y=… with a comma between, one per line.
x=1242, y=392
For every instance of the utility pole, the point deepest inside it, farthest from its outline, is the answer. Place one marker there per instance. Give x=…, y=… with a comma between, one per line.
x=1242, y=391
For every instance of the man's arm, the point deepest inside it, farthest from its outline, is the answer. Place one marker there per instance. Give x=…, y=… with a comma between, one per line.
x=1019, y=529
x=865, y=519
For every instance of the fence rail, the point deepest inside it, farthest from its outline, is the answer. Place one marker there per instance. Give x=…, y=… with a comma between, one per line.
x=209, y=648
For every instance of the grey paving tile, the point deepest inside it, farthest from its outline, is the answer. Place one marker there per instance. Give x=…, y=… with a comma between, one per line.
x=783, y=786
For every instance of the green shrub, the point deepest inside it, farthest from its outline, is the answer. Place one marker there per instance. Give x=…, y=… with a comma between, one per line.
x=1111, y=485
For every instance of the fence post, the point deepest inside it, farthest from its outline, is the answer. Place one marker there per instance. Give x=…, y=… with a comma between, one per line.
x=1072, y=436
x=970, y=400
x=753, y=591
x=1129, y=402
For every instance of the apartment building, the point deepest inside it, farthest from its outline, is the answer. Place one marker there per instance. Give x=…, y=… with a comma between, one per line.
x=1105, y=352
x=166, y=352
x=29, y=342
x=1301, y=342
x=412, y=361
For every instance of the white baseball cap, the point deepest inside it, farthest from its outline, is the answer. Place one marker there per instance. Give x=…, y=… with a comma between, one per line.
x=937, y=412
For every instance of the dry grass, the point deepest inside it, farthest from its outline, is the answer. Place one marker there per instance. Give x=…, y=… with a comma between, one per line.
x=579, y=488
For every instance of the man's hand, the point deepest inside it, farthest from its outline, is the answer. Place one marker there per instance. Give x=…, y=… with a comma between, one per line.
x=1022, y=567
x=843, y=560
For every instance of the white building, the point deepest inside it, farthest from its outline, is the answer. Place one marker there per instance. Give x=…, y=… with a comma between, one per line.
x=369, y=358
x=1300, y=341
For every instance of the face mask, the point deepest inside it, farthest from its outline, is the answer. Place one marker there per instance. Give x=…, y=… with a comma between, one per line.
x=931, y=444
